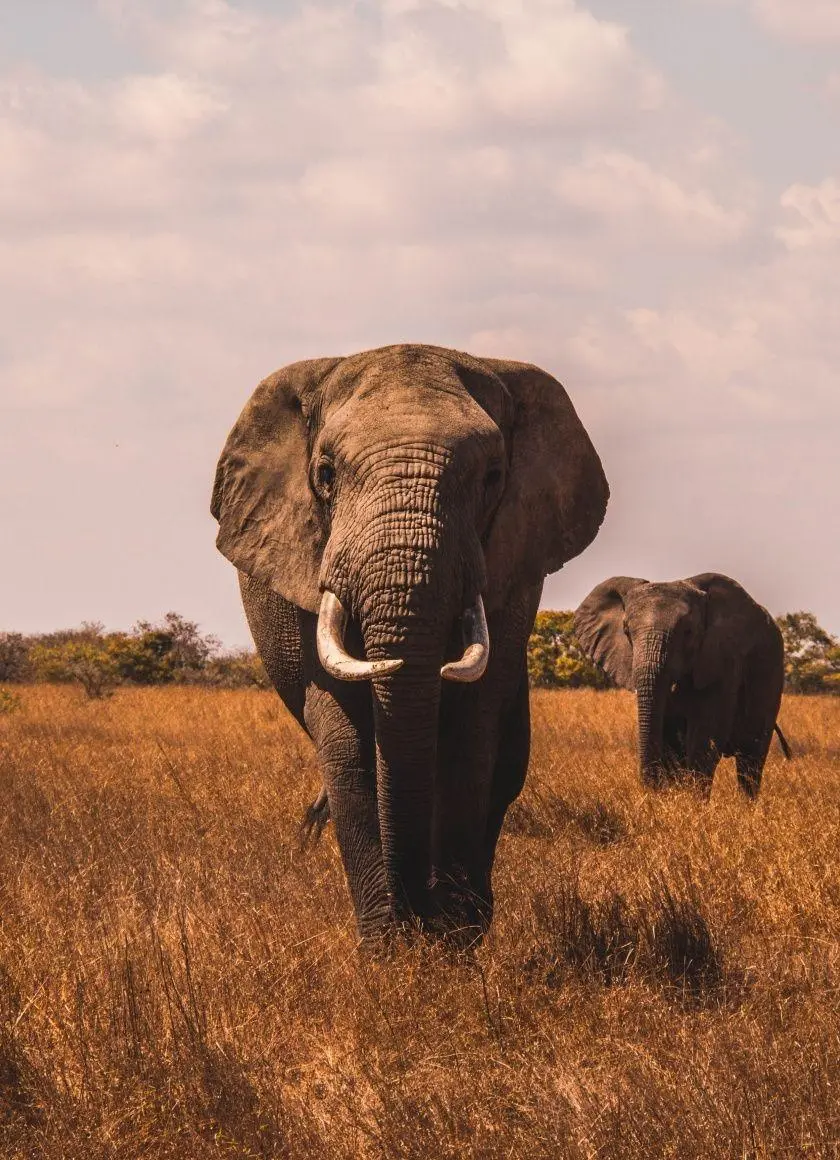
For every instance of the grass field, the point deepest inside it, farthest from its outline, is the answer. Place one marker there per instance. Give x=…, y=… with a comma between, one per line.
x=177, y=979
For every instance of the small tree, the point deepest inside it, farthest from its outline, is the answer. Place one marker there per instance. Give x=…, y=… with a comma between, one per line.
x=156, y=654
x=14, y=657
x=812, y=655
x=556, y=660
x=241, y=669
x=88, y=662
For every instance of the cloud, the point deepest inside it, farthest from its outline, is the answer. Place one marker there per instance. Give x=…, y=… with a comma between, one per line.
x=809, y=21
x=804, y=21
x=814, y=214
x=276, y=183
x=165, y=107
x=625, y=192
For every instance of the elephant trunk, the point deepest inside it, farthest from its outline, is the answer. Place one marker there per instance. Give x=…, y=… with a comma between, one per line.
x=406, y=583
x=405, y=708
x=652, y=682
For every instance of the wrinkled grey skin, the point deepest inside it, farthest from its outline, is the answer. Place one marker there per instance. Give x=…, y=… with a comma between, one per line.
x=706, y=663
x=407, y=480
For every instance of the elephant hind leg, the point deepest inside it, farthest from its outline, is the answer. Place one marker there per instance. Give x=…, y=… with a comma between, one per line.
x=750, y=756
x=315, y=820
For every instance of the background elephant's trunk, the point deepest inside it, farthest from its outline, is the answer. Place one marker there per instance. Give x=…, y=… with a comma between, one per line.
x=652, y=683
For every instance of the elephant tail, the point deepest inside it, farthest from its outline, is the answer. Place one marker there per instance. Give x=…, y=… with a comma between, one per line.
x=783, y=742
x=314, y=820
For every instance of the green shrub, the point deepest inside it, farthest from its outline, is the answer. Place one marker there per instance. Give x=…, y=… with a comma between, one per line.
x=241, y=669
x=14, y=657
x=89, y=663
x=812, y=655
x=556, y=660
x=9, y=702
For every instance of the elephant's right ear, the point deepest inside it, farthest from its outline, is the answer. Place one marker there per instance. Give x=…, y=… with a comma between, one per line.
x=599, y=628
x=270, y=525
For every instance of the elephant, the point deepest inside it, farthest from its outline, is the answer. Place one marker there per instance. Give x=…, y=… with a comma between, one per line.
x=392, y=515
x=707, y=665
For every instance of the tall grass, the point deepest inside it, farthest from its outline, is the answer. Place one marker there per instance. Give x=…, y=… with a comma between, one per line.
x=179, y=979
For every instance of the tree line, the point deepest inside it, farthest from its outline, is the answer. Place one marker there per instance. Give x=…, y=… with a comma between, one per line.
x=175, y=651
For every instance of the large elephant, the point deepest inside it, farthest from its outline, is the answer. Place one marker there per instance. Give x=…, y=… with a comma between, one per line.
x=392, y=516
x=707, y=665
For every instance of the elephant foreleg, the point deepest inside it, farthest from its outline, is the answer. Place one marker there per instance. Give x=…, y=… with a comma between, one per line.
x=508, y=774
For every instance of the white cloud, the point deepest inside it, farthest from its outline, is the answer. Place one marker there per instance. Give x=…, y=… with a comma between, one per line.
x=507, y=177
x=165, y=107
x=806, y=20
x=817, y=214
x=627, y=192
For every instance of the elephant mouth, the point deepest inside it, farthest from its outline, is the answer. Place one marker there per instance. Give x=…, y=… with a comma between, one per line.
x=333, y=654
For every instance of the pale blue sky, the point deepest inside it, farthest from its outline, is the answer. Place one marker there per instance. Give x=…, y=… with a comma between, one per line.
x=641, y=195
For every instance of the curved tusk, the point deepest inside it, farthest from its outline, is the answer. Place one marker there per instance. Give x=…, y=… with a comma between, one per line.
x=472, y=664
x=332, y=621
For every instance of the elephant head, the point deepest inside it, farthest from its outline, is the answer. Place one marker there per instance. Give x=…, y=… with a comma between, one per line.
x=400, y=494
x=650, y=637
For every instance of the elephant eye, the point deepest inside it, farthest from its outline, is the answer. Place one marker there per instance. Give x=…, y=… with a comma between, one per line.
x=324, y=478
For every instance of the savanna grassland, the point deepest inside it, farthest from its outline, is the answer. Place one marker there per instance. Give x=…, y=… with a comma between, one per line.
x=179, y=979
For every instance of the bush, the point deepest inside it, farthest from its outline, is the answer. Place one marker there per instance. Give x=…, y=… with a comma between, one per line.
x=812, y=655
x=9, y=702
x=175, y=651
x=241, y=669
x=556, y=660
x=90, y=663
x=14, y=657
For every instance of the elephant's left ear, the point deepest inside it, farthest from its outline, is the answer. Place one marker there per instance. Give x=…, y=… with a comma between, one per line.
x=556, y=494
x=732, y=622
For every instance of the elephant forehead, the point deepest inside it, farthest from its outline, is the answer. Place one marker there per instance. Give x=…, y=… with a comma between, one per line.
x=419, y=379
x=415, y=412
x=669, y=601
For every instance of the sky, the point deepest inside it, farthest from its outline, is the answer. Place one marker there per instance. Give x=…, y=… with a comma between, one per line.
x=642, y=196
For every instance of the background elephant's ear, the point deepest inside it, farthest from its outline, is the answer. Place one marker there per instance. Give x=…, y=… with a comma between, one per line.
x=270, y=525
x=556, y=493
x=599, y=628
x=732, y=619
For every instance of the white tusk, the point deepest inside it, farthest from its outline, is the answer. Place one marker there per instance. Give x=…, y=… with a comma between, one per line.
x=472, y=664
x=332, y=621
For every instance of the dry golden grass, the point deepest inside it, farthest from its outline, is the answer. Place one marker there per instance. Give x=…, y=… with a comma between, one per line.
x=177, y=979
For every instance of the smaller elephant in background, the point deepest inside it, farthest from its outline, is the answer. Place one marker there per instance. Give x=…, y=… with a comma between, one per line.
x=706, y=663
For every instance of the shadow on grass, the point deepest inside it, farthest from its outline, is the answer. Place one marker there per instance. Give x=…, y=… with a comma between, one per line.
x=543, y=814
x=665, y=937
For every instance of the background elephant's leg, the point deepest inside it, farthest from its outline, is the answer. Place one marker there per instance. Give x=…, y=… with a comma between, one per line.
x=758, y=708
x=752, y=734
x=750, y=756
x=709, y=721
x=674, y=742
x=340, y=720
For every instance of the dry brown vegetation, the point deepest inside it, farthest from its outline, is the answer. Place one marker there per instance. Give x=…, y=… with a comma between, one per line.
x=178, y=979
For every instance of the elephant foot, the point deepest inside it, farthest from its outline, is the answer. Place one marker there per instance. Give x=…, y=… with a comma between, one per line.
x=461, y=915
x=451, y=913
